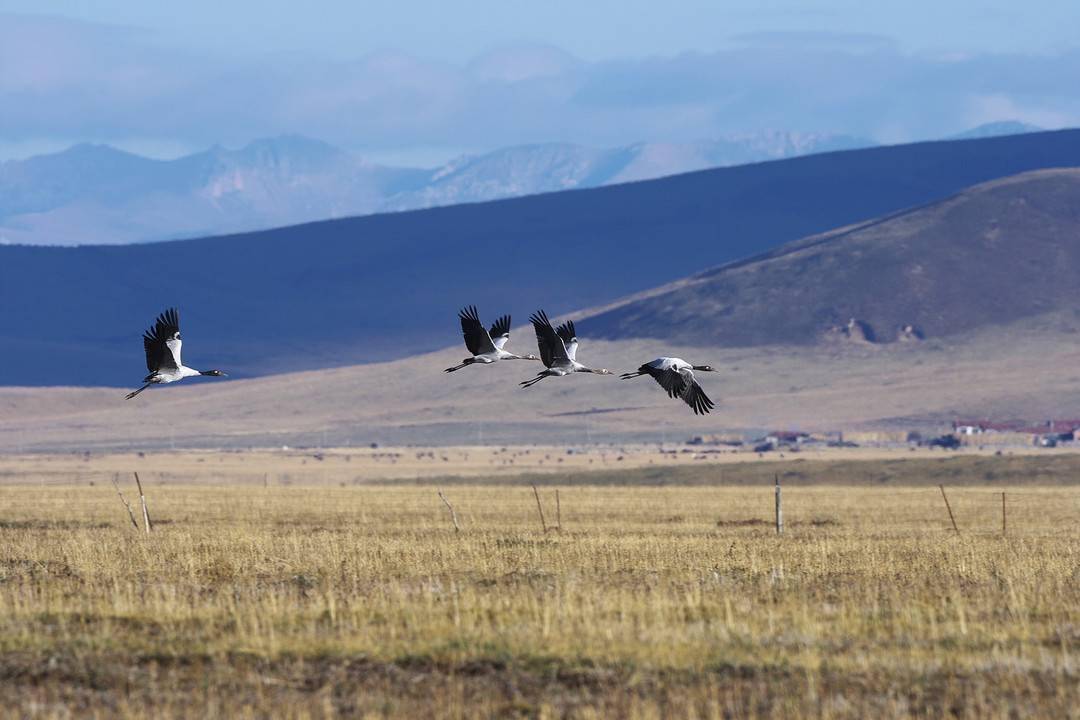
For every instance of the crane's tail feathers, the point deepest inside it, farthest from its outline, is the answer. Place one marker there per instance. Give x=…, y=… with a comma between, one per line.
x=133, y=394
x=627, y=376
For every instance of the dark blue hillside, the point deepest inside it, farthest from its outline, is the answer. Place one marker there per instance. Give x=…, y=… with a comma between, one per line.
x=386, y=286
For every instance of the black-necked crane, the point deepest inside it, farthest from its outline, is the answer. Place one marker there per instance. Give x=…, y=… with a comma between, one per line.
x=162, y=345
x=486, y=346
x=558, y=350
x=677, y=377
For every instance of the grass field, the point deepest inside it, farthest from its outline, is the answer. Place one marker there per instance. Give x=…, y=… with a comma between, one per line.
x=361, y=600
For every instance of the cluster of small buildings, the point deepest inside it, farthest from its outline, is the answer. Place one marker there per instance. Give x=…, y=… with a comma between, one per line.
x=1047, y=433
x=793, y=440
x=993, y=433
x=773, y=440
x=1001, y=433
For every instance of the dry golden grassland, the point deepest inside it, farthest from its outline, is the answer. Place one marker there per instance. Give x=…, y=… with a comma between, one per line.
x=651, y=601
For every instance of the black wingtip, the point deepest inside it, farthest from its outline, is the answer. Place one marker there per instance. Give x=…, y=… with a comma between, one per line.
x=500, y=327
x=702, y=403
x=469, y=312
x=539, y=318
x=170, y=318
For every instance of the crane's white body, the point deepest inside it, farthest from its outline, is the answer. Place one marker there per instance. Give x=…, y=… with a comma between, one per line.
x=485, y=345
x=673, y=363
x=558, y=350
x=499, y=354
x=677, y=378
x=162, y=345
x=172, y=374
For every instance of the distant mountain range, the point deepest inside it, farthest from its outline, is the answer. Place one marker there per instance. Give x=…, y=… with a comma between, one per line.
x=95, y=194
x=387, y=286
x=996, y=129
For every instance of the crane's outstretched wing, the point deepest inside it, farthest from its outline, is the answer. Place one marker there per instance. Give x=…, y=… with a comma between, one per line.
x=696, y=398
x=162, y=342
x=477, y=339
x=500, y=332
x=671, y=380
x=568, y=335
x=551, y=346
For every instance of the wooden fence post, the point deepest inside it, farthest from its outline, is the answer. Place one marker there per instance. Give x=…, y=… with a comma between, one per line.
x=540, y=509
x=131, y=513
x=453, y=515
x=145, y=513
x=949, y=508
x=779, y=508
x=1002, y=513
x=558, y=512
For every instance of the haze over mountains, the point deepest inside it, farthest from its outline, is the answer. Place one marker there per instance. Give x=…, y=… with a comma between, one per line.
x=996, y=129
x=96, y=194
x=387, y=286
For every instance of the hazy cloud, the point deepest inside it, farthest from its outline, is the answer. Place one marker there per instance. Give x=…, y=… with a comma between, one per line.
x=67, y=79
x=820, y=40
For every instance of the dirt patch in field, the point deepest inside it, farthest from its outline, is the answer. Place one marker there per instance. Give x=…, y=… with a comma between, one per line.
x=324, y=686
x=35, y=524
x=746, y=522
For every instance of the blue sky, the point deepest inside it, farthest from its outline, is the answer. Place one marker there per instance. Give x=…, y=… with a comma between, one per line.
x=426, y=80
x=592, y=30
